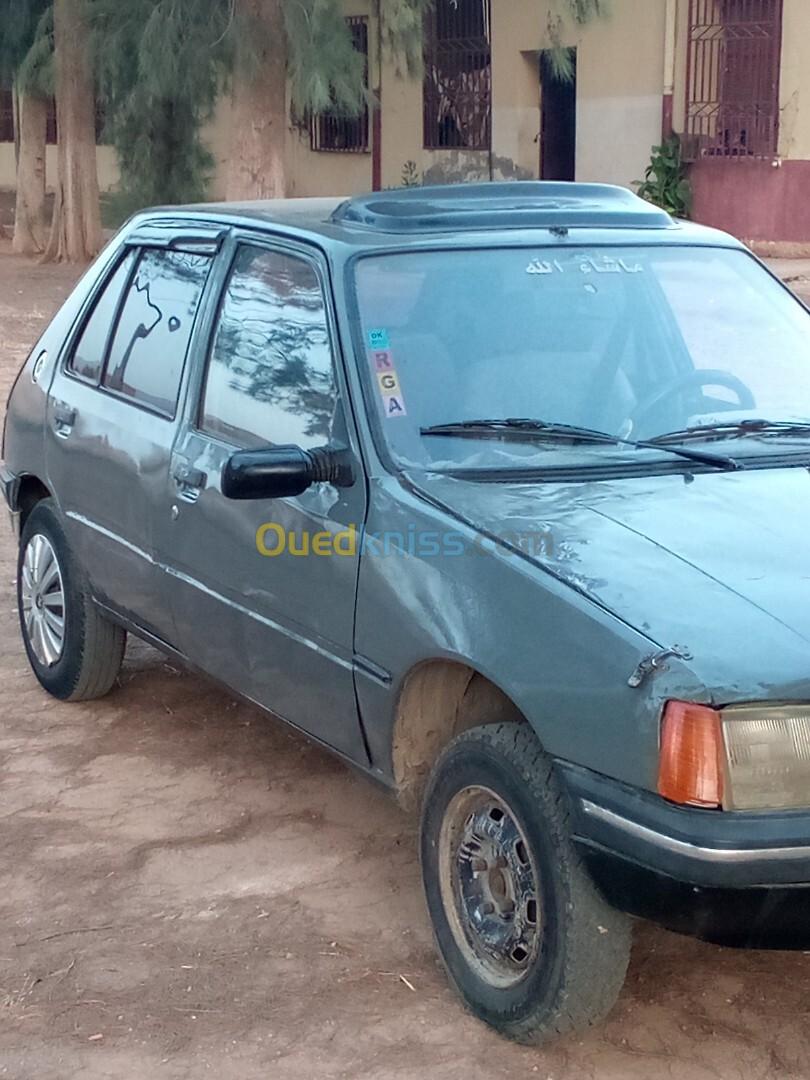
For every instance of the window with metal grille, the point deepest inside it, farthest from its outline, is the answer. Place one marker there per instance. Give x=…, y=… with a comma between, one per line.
x=732, y=107
x=458, y=75
x=6, y=115
x=332, y=131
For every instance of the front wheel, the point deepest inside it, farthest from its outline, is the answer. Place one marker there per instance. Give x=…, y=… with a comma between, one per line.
x=530, y=944
x=74, y=651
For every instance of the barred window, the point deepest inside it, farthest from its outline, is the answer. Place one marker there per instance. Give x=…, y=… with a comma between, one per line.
x=458, y=75
x=732, y=107
x=331, y=131
x=6, y=115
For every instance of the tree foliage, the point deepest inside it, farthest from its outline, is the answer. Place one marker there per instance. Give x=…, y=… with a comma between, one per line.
x=162, y=64
x=26, y=25
x=159, y=66
x=324, y=69
x=402, y=25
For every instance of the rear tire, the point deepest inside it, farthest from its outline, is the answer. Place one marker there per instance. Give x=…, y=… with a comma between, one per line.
x=74, y=651
x=528, y=941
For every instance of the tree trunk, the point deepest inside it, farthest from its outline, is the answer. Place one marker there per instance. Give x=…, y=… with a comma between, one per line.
x=30, y=229
x=76, y=228
x=259, y=120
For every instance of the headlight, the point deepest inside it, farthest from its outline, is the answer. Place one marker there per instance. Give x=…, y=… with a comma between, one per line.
x=767, y=757
x=746, y=757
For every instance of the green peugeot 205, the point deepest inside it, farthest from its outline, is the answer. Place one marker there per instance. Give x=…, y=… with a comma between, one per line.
x=502, y=493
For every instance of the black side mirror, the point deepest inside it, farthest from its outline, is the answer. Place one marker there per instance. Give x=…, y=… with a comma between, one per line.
x=278, y=472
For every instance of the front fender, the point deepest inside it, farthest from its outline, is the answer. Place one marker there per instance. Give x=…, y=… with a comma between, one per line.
x=562, y=659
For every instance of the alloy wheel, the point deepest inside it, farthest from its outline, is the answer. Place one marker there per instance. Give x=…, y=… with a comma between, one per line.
x=42, y=594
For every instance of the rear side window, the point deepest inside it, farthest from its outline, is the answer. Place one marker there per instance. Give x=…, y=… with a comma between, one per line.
x=88, y=356
x=154, y=329
x=270, y=374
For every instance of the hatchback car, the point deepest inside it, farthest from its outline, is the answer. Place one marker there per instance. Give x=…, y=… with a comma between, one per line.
x=502, y=493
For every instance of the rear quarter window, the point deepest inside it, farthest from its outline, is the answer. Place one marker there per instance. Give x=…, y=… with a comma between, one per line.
x=87, y=358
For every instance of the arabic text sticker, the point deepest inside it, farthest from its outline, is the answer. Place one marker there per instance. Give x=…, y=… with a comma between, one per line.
x=389, y=383
x=606, y=264
x=378, y=339
x=383, y=360
x=394, y=406
x=539, y=266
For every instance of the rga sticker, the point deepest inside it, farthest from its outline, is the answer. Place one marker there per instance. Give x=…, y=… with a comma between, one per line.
x=389, y=383
x=378, y=339
x=394, y=405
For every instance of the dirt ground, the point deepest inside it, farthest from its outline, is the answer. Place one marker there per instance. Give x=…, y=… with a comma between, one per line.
x=188, y=889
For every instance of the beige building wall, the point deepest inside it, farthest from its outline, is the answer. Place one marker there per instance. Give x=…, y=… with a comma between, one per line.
x=794, y=88
x=107, y=166
x=620, y=86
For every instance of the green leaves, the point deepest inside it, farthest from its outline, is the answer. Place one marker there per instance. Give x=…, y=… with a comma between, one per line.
x=402, y=23
x=26, y=44
x=665, y=183
x=324, y=69
x=160, y=67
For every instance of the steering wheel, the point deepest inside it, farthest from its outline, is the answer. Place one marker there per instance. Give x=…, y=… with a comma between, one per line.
x=698, y=378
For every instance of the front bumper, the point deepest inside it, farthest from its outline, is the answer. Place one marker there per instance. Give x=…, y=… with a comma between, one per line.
x=734, y=878
x=10, y=486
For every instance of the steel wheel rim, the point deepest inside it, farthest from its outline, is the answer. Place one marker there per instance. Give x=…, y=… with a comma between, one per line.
x=42, y=595
x=490, y=887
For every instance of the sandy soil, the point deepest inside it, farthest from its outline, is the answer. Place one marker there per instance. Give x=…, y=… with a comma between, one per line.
x=187, y=889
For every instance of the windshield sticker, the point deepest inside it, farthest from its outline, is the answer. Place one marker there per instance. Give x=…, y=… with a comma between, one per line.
x=538, y=266
x=389, y=383
x=604, y=264
x=383, y=360
x=608, y=265
x=378, y=339
x=394, y=405
x=390, y=390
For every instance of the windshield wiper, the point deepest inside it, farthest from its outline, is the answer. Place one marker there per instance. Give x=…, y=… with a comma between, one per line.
x=737, y=429
x=539, y=430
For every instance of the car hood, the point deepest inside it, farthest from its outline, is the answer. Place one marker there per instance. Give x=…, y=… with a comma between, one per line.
x=687, y=560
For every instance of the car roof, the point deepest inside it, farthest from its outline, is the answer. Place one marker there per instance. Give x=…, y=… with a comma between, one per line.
x=539, y=213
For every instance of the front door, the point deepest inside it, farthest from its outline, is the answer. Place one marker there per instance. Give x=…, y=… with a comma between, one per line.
x=263, y=592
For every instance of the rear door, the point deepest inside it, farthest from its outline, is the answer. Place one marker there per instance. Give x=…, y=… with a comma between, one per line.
x=264, y=592
x=112, y=418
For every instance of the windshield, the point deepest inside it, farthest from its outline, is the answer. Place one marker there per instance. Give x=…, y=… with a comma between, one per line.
x=633, y=342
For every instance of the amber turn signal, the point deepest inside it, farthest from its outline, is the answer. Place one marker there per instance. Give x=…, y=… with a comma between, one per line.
x=691, y=766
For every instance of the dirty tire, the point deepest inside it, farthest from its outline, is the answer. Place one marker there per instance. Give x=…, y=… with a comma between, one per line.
x=581, y=946
x=93, y=646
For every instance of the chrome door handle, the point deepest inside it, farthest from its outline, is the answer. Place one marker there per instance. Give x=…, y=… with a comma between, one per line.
x=188, y=480
x=187, y=476
x=64, y=417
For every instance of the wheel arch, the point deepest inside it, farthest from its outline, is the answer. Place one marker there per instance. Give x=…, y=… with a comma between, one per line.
x=30, y=491
x=438, y=700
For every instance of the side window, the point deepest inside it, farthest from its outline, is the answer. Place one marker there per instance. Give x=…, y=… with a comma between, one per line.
x=270, y=375
x=88, y=356
x=151, y=340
